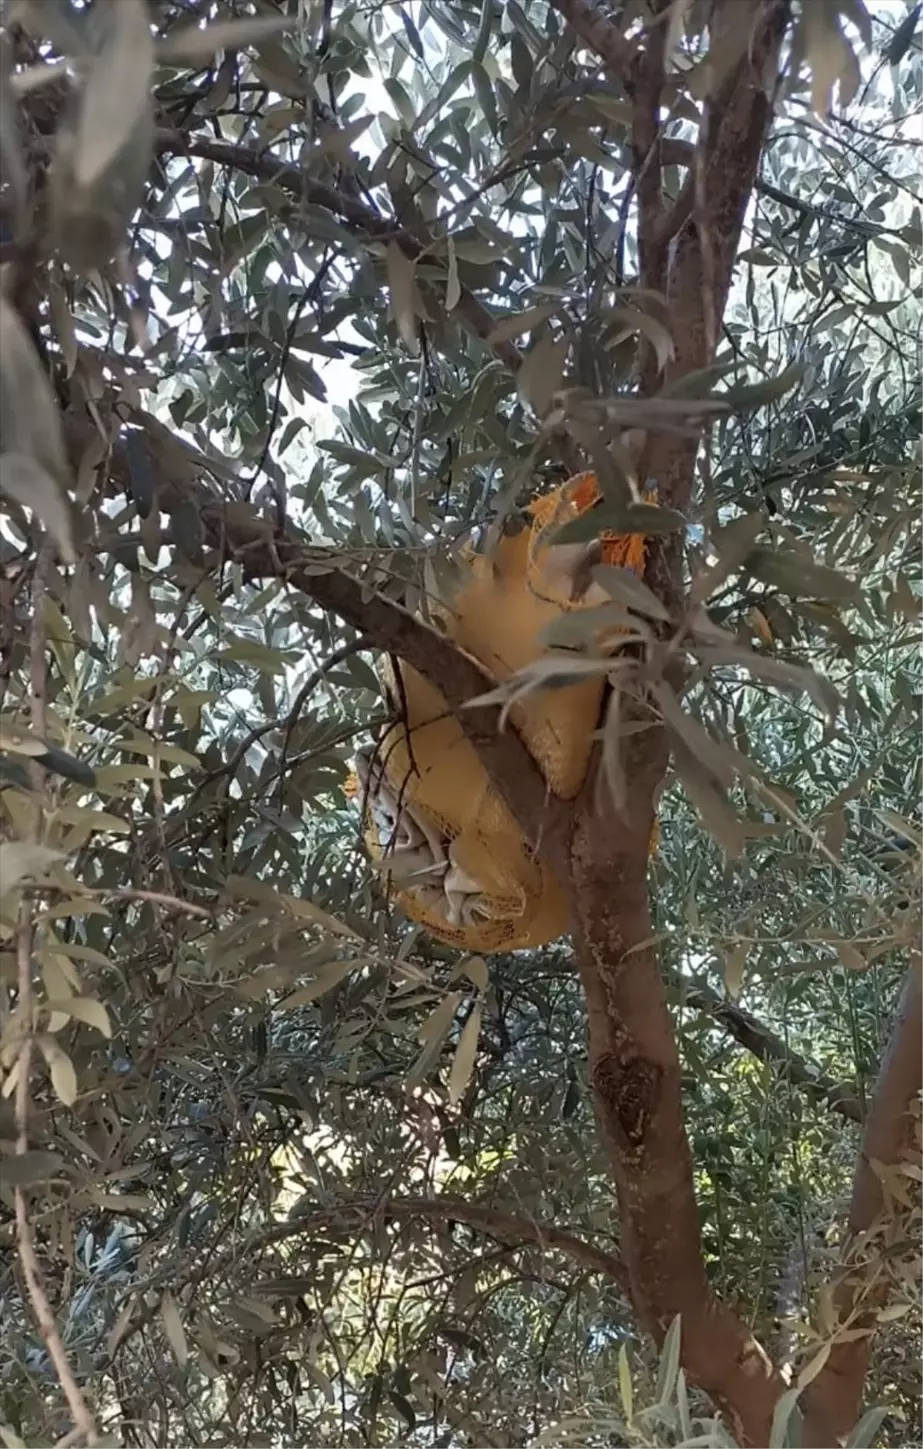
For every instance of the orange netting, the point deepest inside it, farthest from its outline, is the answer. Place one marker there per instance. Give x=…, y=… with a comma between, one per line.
x=455, y=857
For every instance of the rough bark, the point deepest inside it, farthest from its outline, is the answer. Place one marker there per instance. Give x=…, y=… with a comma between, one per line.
x=636, y=1082
x=832, y=1402
x=687, y=250
x=702, y=226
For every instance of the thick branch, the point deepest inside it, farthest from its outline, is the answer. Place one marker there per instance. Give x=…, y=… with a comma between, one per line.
x=764, y=1044
x=236, y=530
x=634, y=1064
x=647, y=169
x=457, y=677
x=712, y=205
x=636, y=1080
x=361, y=218
x=598, y=33
x=832, y=1402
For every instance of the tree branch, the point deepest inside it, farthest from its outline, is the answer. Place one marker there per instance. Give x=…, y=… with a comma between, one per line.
x=637, y=1085
x=709, y=213
x=236, y=530
x=646, y=89
x=459, y=680
x=764, y=1044
x=833, y=1400
x=233, y=762
x=361, y=218
x=634, y=1065
x=25, y=953
x=598, y=33
x=502, y=1226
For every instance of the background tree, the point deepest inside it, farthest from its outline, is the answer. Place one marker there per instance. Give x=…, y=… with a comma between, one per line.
x=295, y=300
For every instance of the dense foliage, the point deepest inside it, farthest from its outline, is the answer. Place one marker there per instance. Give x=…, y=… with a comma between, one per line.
x=296, y=1173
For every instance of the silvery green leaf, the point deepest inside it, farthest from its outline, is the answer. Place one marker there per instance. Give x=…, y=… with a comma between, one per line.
x=116, y=91
x=30, y=423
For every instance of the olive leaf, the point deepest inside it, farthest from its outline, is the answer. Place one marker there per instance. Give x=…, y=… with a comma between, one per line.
x=34, y=470
x=116, y=92
x=799, y=577
x=401, y=281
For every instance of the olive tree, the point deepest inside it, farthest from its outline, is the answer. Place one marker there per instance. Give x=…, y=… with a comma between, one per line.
x=297, y=303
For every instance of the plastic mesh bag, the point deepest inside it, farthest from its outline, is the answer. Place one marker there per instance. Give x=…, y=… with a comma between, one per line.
x=454, y=856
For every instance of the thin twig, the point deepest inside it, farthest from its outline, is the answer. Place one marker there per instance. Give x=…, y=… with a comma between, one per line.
x=356, y=214
x=41, y=1308
x=757, y=1038
x=157, y=898
x=233, y=762
x=518, y=1232
x=307, y=688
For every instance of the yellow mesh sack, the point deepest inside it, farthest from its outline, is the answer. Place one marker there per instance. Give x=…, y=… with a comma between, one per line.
x=454, y=856
x=478, y=886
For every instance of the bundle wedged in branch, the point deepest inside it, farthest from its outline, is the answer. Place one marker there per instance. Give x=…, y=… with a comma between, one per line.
x=454, y=855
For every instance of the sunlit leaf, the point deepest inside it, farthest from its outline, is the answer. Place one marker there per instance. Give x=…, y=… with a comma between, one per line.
x=173, y=1328
x=20, y=861
x=734, y=963
x=755, y=395
x=625, y=1386
x=786, y=1406
x=799, y=577
x=191, y=43
x=116, y=91
x=465, y=1056
x=865, y=1433
x=540, y=375
x=525, y=322
x=712, y=805
x=475, y=968
x=327, y=978
x=437, y=1025
x=403, y=296
x=626, y=588
x=669, y=1362
x=60, y=1069
x=814, y=1365
x=85, y=1009
x=453, y=286
x=640, y=518
x=851, y=958
x=33, y=463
